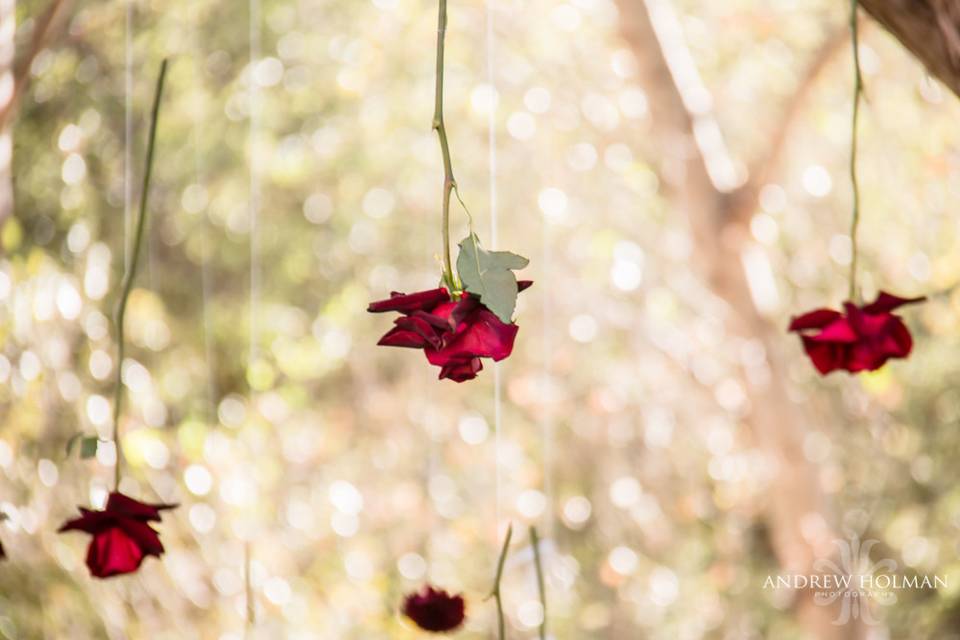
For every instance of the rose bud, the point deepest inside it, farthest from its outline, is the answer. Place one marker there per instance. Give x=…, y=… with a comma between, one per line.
x=122, y=535
x=453, y=334
x=862, y=338
x=435, y=610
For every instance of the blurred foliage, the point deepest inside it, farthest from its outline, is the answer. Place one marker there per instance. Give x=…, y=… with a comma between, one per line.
x=352, y=471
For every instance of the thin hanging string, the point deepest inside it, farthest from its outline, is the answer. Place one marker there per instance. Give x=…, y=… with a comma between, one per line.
x=546, y=420
x=127, y=134
x=494, y=233
x=127, y=220
x=857, y=94
x=255, y=180
x=206, y=291
x=254, y=213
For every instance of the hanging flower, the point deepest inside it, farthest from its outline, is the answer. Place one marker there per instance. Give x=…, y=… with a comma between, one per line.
x=435, y=610
x=859, y=339
x=122, y=536
x=454, y=333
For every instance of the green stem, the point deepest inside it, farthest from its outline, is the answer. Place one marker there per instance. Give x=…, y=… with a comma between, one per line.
x=495, y=592
x=131, y=272
x=857, y=92
x=251, y=618
x=449, y=182
x=541, y=585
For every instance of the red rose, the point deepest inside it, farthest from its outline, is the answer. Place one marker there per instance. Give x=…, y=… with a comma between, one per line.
x=435, y=610
x=3, y=554
x=122, y=537
x=860, y=339
x=454, y=334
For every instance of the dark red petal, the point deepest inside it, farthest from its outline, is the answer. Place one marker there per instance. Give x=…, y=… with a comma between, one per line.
x=816, y=319
x=887, y=302
x=839, y=330
x=826, y=356
x=464, y=309
x=485, y=336
x=112, y=552
x=899, y=342
x=89, y=522
x=523, y=284
x=865, y=356
x=119, y=504
x=144, y=535
x=3, y=554
x=435, y=610
x=461, y=370
x=421, y=327
x=408, y=303
x=398, y=337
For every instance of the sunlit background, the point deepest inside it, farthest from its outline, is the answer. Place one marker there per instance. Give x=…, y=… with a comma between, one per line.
x=626, y=409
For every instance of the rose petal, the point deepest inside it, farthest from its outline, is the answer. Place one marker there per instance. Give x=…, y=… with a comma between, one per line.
x=112, y=552
x=486, y=336
x=461, y=370
x=837, y=331
x=435, y=610
x=124, y=505
x=887, y=302
x=826, y=356
x=816, y=319
x=398, y=337
x=408, y=303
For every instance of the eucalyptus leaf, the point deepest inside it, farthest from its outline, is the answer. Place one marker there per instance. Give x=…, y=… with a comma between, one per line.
x=489, y=275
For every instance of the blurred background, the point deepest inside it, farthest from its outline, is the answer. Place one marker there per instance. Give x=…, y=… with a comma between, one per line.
x=677, y=173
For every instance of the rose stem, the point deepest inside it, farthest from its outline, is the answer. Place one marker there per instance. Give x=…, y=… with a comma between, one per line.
x=449, y=182
x=131, y=272
x=541, y=586
x=857, y=92
x=495, y=592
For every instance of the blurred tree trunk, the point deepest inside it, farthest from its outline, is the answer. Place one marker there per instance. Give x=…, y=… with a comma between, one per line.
x=930, y=29
x=8, y=28
x=14, y=80
x=703, y=182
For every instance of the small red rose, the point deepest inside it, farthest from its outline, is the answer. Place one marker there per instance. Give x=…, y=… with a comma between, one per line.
x=3, y=554
x=453, y=333
x=435, y=610
x=122, y=535
x=862, y=338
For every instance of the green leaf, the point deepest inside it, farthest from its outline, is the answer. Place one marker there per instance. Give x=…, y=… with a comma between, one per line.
x=88, y=447
x=72, y=441
x=489, y=274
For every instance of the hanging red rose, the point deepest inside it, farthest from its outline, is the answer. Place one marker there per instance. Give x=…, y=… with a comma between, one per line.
x=435, y=610
x=862, y=338
x=122, y=535
x=453, y=333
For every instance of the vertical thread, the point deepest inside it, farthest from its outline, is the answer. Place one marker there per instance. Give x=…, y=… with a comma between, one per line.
x=494, y=239
x=127, y=133
x=255, y=177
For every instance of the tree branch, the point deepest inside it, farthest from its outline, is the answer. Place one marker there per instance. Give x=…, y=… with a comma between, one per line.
x=43, y=32
x=930, y=29
x=744, y=200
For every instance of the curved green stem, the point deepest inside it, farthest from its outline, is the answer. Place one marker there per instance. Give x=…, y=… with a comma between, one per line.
x=495, y=592
x=541, y=584
x=449, y=182
x=131, y=273
x=857, y=93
